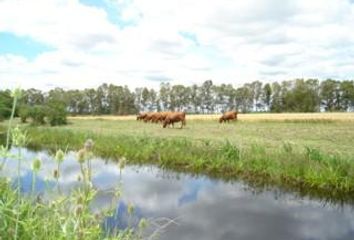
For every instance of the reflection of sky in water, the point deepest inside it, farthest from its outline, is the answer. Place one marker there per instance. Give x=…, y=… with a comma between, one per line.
x=204, y=208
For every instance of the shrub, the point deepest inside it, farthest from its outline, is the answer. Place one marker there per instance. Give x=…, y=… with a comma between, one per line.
x=56, y=114
x=37, y=114
x=24, y=113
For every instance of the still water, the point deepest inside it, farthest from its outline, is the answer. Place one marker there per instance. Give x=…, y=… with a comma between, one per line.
x=202, y=208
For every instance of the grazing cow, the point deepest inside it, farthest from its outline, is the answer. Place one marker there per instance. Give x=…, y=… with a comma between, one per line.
x=171, y=118
x=227, y=116
x=152, y=116
x=163, y=116
x=148, y=117
x=141, y=116
x=155, y=118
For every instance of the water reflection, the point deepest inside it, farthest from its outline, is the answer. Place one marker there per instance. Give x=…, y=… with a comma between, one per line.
x=203, y=208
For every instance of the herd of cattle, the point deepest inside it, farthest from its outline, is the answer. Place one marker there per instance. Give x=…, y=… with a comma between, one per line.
x=169, y=118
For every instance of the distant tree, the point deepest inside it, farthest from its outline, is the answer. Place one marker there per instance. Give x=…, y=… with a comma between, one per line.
x=267, y=96
x=256, y=90
x=195, y=99
x=5, y=104
x=276, y=105
x=206, y=96
x=347, y=90
x=164, y=95
x=244, y=98
x=33, y=97
x=329, y=94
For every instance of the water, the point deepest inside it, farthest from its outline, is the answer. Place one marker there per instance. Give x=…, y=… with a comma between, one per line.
x=202, y=208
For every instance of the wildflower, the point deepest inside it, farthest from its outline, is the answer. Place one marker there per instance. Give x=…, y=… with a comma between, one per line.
x=36, y=164
x=59, y=156
x=81, y=155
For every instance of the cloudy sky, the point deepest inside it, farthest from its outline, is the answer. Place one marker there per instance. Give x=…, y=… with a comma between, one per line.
x=83, y=43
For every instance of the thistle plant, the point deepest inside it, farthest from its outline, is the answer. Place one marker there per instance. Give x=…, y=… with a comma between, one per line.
x=16, y=94
x=59, y=158
x=60, y=218
x=36, y=166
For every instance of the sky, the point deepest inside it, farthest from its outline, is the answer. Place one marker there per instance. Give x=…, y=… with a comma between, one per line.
x=84, y=43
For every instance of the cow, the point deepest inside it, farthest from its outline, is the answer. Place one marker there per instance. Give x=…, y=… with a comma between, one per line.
x=163, y=116
x=156, y=117
x=227, y=116
x=141, y=116
x=153, y=117
x=174, y=117
x=148, y=117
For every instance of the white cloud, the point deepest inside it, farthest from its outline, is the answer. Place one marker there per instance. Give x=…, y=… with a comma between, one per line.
x=236, y=41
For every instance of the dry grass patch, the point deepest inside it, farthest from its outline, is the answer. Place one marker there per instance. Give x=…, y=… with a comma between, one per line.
x=246, y=117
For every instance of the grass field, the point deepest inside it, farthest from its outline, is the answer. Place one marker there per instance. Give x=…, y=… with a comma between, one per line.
x=311, y=152
x=331, y=133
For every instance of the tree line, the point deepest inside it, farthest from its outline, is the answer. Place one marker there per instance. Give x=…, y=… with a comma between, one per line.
x=299, y=95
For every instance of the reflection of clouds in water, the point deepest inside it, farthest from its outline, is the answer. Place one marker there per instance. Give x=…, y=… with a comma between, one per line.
x=207, y=209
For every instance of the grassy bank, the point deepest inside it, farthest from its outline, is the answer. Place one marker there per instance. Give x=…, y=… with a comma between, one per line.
x=289, y=164
x=27, y=215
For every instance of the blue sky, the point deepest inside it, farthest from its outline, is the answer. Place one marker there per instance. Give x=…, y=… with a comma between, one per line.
x=24, y=46
x=83, y=43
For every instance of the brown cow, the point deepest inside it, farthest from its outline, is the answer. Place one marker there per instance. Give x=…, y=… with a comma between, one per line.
x=141, y=116
x=148, y=117
x=227, y=116
x=163, y=116
x=155, y=118
x=171, y=118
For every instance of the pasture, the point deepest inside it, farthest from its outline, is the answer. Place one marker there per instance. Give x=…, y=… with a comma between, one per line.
x=311, y=152
x=330, y=132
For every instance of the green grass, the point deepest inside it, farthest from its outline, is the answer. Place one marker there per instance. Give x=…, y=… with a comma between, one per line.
x=328, y=136
x=63, y=218
x=310, y=157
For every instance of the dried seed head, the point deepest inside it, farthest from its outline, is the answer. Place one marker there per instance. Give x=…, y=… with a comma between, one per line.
x=59, y=156
x=56, y=174
x=79, y=209
x=122, y=162
x=36, y=164
x=81, y=155
x=80, y=200
x=18, y=137
x=143, y=223
x=130, y=209
x=88, y=145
